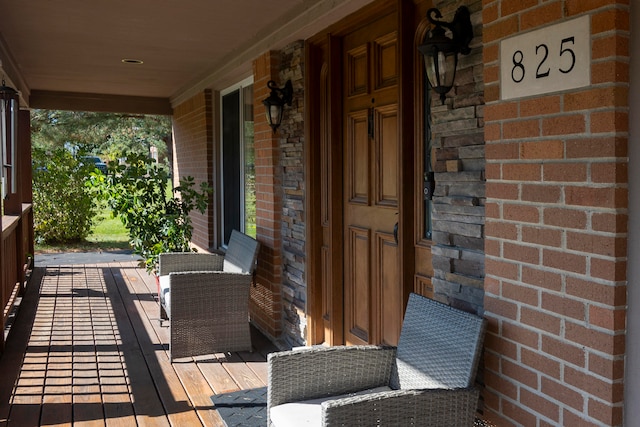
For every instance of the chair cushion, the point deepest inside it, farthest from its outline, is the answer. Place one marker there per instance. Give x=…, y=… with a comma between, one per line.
x=165, y=293
x=308, y=412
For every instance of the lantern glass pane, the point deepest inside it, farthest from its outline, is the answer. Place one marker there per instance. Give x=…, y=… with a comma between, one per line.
x=441, y=69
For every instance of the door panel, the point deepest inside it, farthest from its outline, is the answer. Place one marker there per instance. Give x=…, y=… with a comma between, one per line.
x=373, y=286
x=358, y=257
x=391, y=298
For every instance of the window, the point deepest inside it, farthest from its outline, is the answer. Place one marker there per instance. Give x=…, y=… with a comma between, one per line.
x=427, y=171
x=238, y=161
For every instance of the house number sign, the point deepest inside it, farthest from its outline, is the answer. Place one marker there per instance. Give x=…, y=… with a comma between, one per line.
x=551, y=59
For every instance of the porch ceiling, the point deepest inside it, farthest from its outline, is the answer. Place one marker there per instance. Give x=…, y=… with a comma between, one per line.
x=67, y=53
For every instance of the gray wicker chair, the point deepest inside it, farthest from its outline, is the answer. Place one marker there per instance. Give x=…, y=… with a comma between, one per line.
x=205, y=297
x=428, y=380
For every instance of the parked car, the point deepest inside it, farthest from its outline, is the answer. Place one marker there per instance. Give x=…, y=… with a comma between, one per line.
x=99, y=164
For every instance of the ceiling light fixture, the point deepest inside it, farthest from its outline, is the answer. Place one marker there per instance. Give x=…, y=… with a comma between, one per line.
x=132, y=61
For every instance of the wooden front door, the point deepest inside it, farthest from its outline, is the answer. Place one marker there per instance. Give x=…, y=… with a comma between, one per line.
x=373, y=285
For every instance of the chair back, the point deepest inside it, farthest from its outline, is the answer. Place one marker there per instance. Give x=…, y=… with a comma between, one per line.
x=242, y=253
x=439, y=346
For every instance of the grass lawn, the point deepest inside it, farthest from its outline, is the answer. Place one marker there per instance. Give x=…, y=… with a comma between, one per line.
x=108, y=234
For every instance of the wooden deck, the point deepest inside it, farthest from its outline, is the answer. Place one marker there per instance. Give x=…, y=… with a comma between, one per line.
x=87, y=349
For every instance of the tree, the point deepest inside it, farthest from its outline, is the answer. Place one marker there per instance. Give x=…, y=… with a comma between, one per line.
x=108, y=135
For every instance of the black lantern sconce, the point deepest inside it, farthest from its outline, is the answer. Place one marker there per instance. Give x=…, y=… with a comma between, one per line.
x=274, y=104
x=9, y=105
x=441, y=52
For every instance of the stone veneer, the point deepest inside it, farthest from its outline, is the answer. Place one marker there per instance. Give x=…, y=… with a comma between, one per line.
x=459, y=198
x=294, y=288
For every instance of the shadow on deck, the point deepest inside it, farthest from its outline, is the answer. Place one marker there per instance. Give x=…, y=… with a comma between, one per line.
x=88, y=349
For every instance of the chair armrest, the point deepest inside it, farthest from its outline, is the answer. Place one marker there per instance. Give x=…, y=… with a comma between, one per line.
x=324, y=371
x=436, y=407
x=173, y=262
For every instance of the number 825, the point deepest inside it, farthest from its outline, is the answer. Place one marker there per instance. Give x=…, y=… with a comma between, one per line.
x=518, y=71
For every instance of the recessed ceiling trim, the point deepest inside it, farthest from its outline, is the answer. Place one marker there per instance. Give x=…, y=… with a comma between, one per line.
x=76, y=101
x=303, y=22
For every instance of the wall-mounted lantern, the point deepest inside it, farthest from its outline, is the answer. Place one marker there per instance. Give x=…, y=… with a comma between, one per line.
x=441, y=52
x=274, y=104
x=9, y=106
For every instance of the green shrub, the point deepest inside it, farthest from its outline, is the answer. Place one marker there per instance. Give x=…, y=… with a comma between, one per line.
x=63, y=206
x=157, y=219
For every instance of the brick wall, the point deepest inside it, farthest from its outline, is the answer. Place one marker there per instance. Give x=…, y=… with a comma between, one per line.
x=266, y=299
x=556, y=216
x=193, y=155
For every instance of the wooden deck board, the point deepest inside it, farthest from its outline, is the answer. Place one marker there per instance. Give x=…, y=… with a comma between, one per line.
x=87, y=349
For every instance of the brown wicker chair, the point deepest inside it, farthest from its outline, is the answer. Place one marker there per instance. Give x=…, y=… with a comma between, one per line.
x=428, y=380
x=205, y=297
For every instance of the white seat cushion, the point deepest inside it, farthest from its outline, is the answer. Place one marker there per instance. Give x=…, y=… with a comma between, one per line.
x=308, y=412
x=165, y=293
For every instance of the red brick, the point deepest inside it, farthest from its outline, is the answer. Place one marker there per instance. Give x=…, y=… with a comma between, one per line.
x=517, y=334
x=492, y=211
x=563, y=125
x=501, y=308
x=572, y=419
x=596, y=147
x=609, y=121
x=608, y=269
x=561, y=393
x=613, y=295
x=562, y=260
x=606, y=318
x=540, y=405
x=564, y=350
x=521, y=213
x=564, y=306
x=540, y=320
x=609, y=20
x=500, y=29
x=596, y=340
x=606, y=367
x=567, y=218
x=491, y=248
x=521, y=129
x=493, y=132
x=540, y=106
x=521, y=253
x=609, y=71
x=607, y=391
x=596, y=197
x=553, y=149
x=565, y=172
x=501, y=230
x=547, y=13
x=610, y=173
x=497, y=382
x=502, y=151
x=540, y=362
x=523, y=294
x=502, y=191
x=542, y=236
x=490, y=13
x=608, y=46
x=605, y=413
x=576, y=7
x=518, y=413
x=541, y=193
x=596, y=98
x=501, y=346
x=521, y=172
x=490, y=53
x=520, y=374
x=542, y=278
x=501, y=111
x=510, y=7
x=597, y=244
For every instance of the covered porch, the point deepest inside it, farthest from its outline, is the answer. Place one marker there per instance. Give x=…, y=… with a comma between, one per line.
x=88, y=349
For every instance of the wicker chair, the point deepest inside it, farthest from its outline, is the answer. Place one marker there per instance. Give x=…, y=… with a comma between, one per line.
x=205, y=297
x=427, y=380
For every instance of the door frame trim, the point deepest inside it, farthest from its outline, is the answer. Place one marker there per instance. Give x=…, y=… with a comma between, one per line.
x=325, y=50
